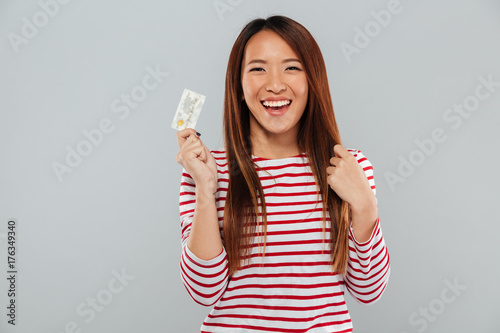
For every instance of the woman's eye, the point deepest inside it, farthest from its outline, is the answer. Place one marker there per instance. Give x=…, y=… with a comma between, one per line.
x=260, y=69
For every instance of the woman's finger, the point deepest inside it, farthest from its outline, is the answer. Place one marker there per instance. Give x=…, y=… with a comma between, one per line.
x=203, y=155
x=335, y=160
x=184, y=134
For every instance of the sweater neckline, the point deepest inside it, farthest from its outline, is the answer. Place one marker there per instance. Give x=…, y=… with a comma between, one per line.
x=257, y=158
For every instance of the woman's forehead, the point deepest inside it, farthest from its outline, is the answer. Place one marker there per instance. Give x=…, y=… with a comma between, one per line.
x=266, y=46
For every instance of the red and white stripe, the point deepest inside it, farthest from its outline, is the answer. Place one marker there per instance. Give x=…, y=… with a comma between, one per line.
x=292, y=289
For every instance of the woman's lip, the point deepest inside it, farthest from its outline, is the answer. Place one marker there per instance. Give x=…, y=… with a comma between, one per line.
x=277, y=112
x=275, y=100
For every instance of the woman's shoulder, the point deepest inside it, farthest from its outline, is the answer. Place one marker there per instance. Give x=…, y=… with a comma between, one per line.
x=354, y=151
x=219, y=155
x=219, y=152
x=360, y=157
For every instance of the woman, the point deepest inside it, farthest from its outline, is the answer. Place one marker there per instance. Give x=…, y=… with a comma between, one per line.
x=278, y=222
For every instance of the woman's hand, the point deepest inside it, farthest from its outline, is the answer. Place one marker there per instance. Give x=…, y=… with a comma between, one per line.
x=347, y=178
x=195, y=157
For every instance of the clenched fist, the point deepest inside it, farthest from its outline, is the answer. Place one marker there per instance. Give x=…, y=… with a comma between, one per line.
x=196, y=158
x=348, y=179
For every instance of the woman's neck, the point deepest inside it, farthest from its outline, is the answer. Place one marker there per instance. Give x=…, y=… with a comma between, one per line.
x=275, y=146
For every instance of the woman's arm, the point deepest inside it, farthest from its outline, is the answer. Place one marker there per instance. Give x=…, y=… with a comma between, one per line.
x=204, y=265
x=369, y=262
x=200, y=167
x=205, y=239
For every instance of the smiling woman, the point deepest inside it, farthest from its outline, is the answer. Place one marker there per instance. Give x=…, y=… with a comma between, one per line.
x=282, y=219
x=275, y=90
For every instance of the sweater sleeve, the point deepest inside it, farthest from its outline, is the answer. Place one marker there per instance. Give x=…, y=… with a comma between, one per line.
x=369, y=262
x=204, y=280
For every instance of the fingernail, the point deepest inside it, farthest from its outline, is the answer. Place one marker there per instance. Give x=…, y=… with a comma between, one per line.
x=199, y=134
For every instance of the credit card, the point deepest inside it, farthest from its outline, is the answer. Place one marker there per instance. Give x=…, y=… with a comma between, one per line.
x=188, y=110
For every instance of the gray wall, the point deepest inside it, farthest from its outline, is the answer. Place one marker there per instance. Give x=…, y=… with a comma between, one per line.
x=114, y=212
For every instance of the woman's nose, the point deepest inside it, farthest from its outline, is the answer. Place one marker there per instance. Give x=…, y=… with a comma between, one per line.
x=275, y=83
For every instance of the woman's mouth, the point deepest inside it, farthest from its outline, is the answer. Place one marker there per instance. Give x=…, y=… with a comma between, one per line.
x=276, y=108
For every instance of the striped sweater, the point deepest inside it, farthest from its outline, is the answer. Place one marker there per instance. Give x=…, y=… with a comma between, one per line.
x=295, y=290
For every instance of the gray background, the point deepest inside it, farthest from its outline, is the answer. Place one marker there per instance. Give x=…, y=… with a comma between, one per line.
x=118, y=209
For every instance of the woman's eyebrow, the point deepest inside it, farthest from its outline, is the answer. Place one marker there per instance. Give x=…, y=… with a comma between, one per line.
x=264, y=62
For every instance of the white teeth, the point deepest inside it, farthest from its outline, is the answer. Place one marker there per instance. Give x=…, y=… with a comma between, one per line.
x=276, y=103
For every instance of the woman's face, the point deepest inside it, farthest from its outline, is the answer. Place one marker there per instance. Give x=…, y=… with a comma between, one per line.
x=272, y=75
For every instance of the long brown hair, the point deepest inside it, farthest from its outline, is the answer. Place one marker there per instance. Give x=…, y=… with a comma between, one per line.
x=317, y=135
